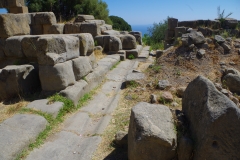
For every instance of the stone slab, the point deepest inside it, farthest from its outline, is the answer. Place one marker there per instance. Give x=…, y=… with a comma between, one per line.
x=42, y=105
x=77, y=123
x=98, y=127
x=75, y=92
x=66, y=145
x=18, y=132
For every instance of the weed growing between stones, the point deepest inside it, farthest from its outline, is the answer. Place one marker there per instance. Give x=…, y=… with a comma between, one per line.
x=131, y=56
x=132, y=84
x=53, y=124
x=115, y=65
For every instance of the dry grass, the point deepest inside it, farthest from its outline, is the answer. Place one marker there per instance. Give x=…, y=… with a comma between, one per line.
x=99, y=54
x=8, y=110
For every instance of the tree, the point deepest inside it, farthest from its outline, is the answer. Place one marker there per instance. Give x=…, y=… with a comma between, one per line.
x=157, y=31
x=120, y=24
x=68, y=9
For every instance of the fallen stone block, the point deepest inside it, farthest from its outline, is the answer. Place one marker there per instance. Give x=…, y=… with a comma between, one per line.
x=53, y=49
x=82, y=18
x=13, y=47
x=57, y=77
x=18, y=132
x=86, y=43
x=128, y=42
x=56, y=29
x=81, y=67
x=17, y=10
x=151, y=133
x=197, y=37
x=211, y=115
x=71, y=28
x=75, y=92
x=15, y=80
x=42, y=105
x=43, y=18
x=232, y=81
x=92, y=28
x=13, y=24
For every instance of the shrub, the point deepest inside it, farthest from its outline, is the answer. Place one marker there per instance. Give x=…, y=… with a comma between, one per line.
x=120, y=24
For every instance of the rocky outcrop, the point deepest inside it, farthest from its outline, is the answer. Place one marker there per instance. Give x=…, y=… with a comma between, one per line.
x=213, y=121
x=151, y=133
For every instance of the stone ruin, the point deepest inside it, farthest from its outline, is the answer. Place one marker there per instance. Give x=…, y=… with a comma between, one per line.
x=37, y=53
x=207, y=27
x=14, y=6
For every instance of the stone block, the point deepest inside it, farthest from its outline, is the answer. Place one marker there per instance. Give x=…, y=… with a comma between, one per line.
x=111, y=32
x=13, y=24
x=57, y=77
x=98, y=22
x=91, y=28
x=190, y=24
x=13, y=47
x=53, y=49
x=71, y=28
x=18, y=132
x=81, y=67
x=15, y=80
x=56, y=29
x=46, y=28
x=82, y=18
x=137, y=35
x=36, y=29
x=172, y=23
x=105, y=27
x=43, y=18
x=133, y=52
x=169, y=35
x=29, y=47
x=86, y=43
x=11, y=3
x=179, y=31
x=128, y=42
x=2, y=47
x=17, y=10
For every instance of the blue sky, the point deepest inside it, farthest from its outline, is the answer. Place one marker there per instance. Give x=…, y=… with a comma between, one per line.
x=140, y=12
x=145, y=12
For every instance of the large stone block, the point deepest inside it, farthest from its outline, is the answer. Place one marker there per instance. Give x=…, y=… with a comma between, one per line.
x=56, y=29
x=2, y=46
x=92, y=28
x=190, y=24
x=11, y=3
x=36, y=29
x=151, y=133
x=63, y=47
x=128, y=41
x=109, y=42
x=13, y=47
x=29, y=47
x=82, y=18
x=17, y=10
x=137, y=35
x=81, y=67
x=230, y=23
x=46, y=28
x=13, y=24
x=98, y=22
x=15, y=80
x=71, y=28
x=57, y=77
x=86, y=43
x=43, y=18
x=179, y=31
x=105, y=27
x=213, y=121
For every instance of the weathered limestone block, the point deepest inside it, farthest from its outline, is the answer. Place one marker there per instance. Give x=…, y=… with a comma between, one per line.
x=213, y=121
x=30, y=17
x=109, y=42
x=13, y=47
x=81, y=67
x=128, y=41
x=29, y=46
x=98, y=22
x=63, y=47
x=111, y=32
x=43, y=18
x=13, y=24
x=179, y=31
x=86, y=43
x=15, y=80
x=82, y=18
x=137, y=35
x=11, y=3
x=71, y=28
x=172, y=23
x=17, y=10
x=151, y=133
x=36, y=29
x=56, y=29
x=92, y=28
x=57, y=77
x=134, y=53
x=105, y=27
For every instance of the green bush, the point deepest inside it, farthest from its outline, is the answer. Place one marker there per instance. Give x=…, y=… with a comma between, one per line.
x=120, y=24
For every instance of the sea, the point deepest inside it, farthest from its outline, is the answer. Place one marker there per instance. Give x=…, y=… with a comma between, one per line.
x=141, y=28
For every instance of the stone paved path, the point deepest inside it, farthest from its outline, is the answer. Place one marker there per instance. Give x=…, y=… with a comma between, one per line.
x=80, y=135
